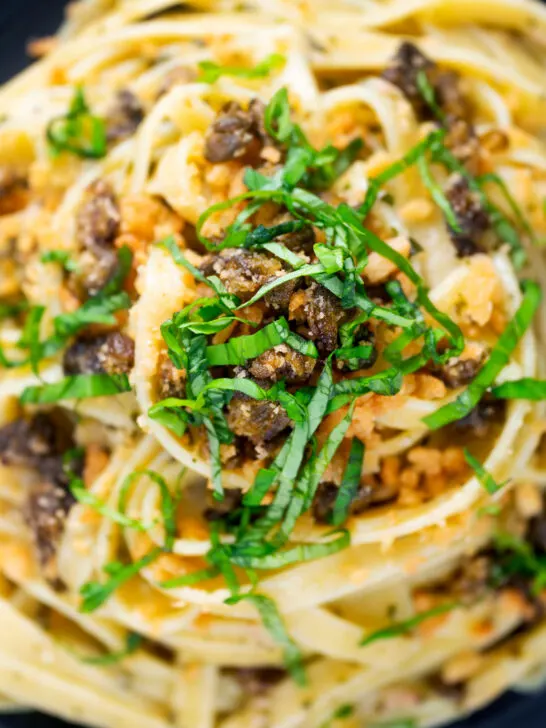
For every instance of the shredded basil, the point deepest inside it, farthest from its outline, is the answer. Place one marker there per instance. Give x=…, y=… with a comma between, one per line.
x=169, y=504
x=398, y=167
x=239, y=350
x=79, y=131
x=403, y=628
x=180, y=259
x=273, y=622
x=349, y=483
x=341, y=713
x=514, y=556
x=296, y=555
x=211, y=72
x=82, y=495
x=10, y=310
x=78, y=386
x=498, y=359
x=132, y=644
x=62, y=257
x=437, y=194
x=196, y=577
x=429, y=95
x=95, y=593
x=505, y=230
x=484, y=476
x=526, y=388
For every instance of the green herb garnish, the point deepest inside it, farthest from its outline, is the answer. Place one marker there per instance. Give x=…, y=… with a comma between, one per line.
x=79, y=132
x=62, y=257
x=79, y=386
x=484, y=476
x=498, y=359
x=133, y=642
x=349, y=483
x=526, y=388
x=403, y=628
x=95, y=593
x=273, y=622
x=211, y=72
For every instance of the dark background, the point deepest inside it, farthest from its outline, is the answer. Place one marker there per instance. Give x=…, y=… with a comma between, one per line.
x=23, y=20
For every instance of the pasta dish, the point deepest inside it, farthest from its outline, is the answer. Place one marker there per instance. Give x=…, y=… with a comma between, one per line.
x=272, y=353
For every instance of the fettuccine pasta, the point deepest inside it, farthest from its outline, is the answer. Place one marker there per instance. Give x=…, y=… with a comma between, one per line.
x=272, y=364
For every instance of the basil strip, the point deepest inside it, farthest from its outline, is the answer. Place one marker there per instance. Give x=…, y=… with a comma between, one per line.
x=304, y=270
x=168, y=503
x=502, y=226
x=437, y=194
x=273, y=622
x=82, y=495
x=402, y=628
x=298, y=554
x=9, y=310
x=211, y=72
x=485, y=477
x=95, y=594
x=238, y=350
x=79, y=386
x=132, y=644
x=400, y=166
x=196, y=577
x=62, y=257
x=378, y=246
x=349, y=483
x=429, y=94
x=526, y=388
x=97, y=310
x=517, y=557
x=169, y=244
x=78, y=132
x=306, y=486
x=498, y=359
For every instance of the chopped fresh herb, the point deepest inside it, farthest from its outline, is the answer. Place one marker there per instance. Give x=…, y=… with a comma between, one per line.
x=239, y=350
x=180, y=259
x=168, y=503
x=516, y=210
x=273, y=622
x=211, y=72
x=437, y=194
x=516, y=557
x=97, y=310
x=30, y=338
x=349, y=483
x=196, y=577
x=498, y=359
x=95, y=593
x=341, y=713
x=427, y=92
x=402, y=628
x=62, y=257
x=393, y=170
x=485, y=477
x=133, y=642
x=10, y=310
x=396, y=723
x=503, y=227
x=82, y=495
x=79, y=131
x=526, y=388
x=78, y=386
x=490, y=509
x=297, y=554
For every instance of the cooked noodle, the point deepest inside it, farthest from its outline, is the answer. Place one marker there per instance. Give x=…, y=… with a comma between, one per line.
x=289, y=478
